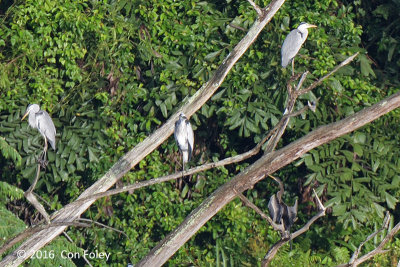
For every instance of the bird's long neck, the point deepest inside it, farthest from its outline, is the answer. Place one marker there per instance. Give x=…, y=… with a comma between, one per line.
x=32, y=120
x=304, y=33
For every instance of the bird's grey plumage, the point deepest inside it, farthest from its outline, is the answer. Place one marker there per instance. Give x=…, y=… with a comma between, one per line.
x=293, y=42
x=184, y=138
x=280, y=212
x=41, y=120
x=275, y=209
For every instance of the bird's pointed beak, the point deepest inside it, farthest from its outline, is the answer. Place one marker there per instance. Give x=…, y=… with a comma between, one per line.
x=26, y=114
x=312, y=26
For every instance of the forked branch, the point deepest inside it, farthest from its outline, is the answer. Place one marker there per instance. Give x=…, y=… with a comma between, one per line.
x=356, y=260
x=274, y=249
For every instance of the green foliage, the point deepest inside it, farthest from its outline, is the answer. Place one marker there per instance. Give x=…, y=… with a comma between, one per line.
x=111, y=72
x=10, y=225
x=9, y=152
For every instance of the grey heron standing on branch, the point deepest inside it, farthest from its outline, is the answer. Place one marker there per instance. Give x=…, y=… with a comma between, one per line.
x=293, y=43
x=184, y=138
x=41, y=120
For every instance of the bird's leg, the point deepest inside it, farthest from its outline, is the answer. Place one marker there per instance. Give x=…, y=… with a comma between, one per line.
x=183, y=169
x=42, y=160
x=293, y=67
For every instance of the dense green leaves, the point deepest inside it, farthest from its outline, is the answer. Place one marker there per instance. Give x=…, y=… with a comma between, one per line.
x=111, y=72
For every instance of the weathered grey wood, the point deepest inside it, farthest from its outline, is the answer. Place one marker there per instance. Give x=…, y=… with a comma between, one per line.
x=268, y=164
x=73, y=210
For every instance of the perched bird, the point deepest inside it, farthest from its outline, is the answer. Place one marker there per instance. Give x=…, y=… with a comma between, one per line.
x=280, y=212
x=293, y=43
x=184, y=138
x=41, y=120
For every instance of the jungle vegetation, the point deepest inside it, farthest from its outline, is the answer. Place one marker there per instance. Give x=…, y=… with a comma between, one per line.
x=112, y=72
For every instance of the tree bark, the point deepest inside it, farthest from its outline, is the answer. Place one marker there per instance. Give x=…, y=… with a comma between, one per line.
x=73, y=210
x=268, y=164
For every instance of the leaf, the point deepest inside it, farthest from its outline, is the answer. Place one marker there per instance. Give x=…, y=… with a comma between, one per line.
x=29, y=172
x=379, y=209
x=339, y=209
x=358, y=150
x=390, y=200
x=359, y=138
x=218, y=95
x=375, y=165
x=365, y=64
x=92, y=156
x=164, y=110
x=212, y=55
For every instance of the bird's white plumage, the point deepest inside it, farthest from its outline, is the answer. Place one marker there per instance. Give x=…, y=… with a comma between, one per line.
x=184, y=137
x=293, y=43
x=42, y=121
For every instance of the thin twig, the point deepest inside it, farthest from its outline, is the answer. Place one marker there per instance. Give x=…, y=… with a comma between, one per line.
x=72, y=241
x=105, y=226
x=251, y=205
x=358, y=250
x=204, y=167
x=33, y=200
x=274, y=249
x=318, y=82
x=256, y=8
x=378, y=250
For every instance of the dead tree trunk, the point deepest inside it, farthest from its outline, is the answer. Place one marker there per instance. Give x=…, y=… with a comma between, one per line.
x=268, y=164
x=73, y=210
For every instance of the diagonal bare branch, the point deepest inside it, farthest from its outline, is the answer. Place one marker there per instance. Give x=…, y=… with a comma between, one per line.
x=134, y=156
x=274, y=249
x=268, y=164
x=251, y=205
x=355, y=261
x=256, y=8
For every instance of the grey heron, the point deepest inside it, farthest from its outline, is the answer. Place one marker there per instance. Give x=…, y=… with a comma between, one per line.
x=41, y=120
x=293, y=43
x=184, y=138
x=280, y=212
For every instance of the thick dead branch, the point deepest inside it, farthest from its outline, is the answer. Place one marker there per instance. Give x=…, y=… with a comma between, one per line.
x=134, y=156
x=355, y=261
x=268, y=164
x=35, y=229
x=204, y=167
x=274, y=249
x=138, y=185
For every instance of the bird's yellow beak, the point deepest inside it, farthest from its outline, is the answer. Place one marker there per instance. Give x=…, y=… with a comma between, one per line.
x=26, y=114
x=312, y=26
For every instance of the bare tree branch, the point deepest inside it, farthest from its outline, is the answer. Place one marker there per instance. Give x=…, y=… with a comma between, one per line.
x=249, y=204
x=355, y=261
x=268, y=164
x=33, y=200
x=385, y=225
x=256, y=8
x=104, y=226
x=197, y=169
x=35, y=229
x=134, y=156
x=345, y=62
x=274, y=249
